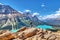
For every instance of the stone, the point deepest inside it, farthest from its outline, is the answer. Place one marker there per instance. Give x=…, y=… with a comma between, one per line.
x=20, y=35
x=39, y=38
x=6, y=36
x=30, y=38
x=39, y=31
x=35, y=38
x=43, y=39
x=22, y=29
x=30, y=32
x=3, y=31
x=17, y=39
x=52, y=37
x=46, y=36
x=49, y=32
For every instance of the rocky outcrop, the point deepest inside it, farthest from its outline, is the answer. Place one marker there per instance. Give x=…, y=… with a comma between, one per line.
x=6, y=36
x=21, y=29
x=30, y=34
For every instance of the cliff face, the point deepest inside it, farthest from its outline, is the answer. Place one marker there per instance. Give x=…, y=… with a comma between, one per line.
x=10, y=17
x=25, y=33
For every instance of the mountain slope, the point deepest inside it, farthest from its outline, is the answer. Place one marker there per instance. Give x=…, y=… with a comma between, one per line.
x=10, y=18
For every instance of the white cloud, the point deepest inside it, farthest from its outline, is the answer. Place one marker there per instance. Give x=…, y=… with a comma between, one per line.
x=58, y=11
x=42, y=5
x=35, y=14
x=27, y=11
x=51, y=16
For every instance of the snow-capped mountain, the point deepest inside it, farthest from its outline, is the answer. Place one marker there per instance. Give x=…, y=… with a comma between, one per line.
x=6, y=9
x=10, y=17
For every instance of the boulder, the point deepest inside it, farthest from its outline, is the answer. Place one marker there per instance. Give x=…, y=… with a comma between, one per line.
x=30, y=32
x=39, y=31
x=21, y=29
x=20, y=35
x=49, y=32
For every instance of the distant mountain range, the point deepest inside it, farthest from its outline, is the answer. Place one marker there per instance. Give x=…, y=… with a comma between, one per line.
x=53, y=22
x=52, y=19
x=10, y=18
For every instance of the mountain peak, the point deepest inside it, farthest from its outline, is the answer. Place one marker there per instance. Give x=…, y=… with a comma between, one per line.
x=6, y=9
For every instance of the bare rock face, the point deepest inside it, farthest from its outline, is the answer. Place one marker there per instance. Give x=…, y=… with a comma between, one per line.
x=35, y=38
x=30, y=38
x=6, y=36
x=22, y=29
x=58, y=37
x=29, y=34
x=17, y=39
x=3, y=31
x=52, y=37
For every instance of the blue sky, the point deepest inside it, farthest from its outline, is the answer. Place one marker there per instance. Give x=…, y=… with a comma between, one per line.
x=43, y=7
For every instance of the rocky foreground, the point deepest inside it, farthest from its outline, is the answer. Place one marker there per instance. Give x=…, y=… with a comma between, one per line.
x=25, y=33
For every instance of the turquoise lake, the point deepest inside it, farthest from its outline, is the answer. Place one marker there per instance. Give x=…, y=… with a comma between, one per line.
x=14, y=30
x=44, y=27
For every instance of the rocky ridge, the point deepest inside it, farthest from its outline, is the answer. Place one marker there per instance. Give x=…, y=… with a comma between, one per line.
x=25, y=33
